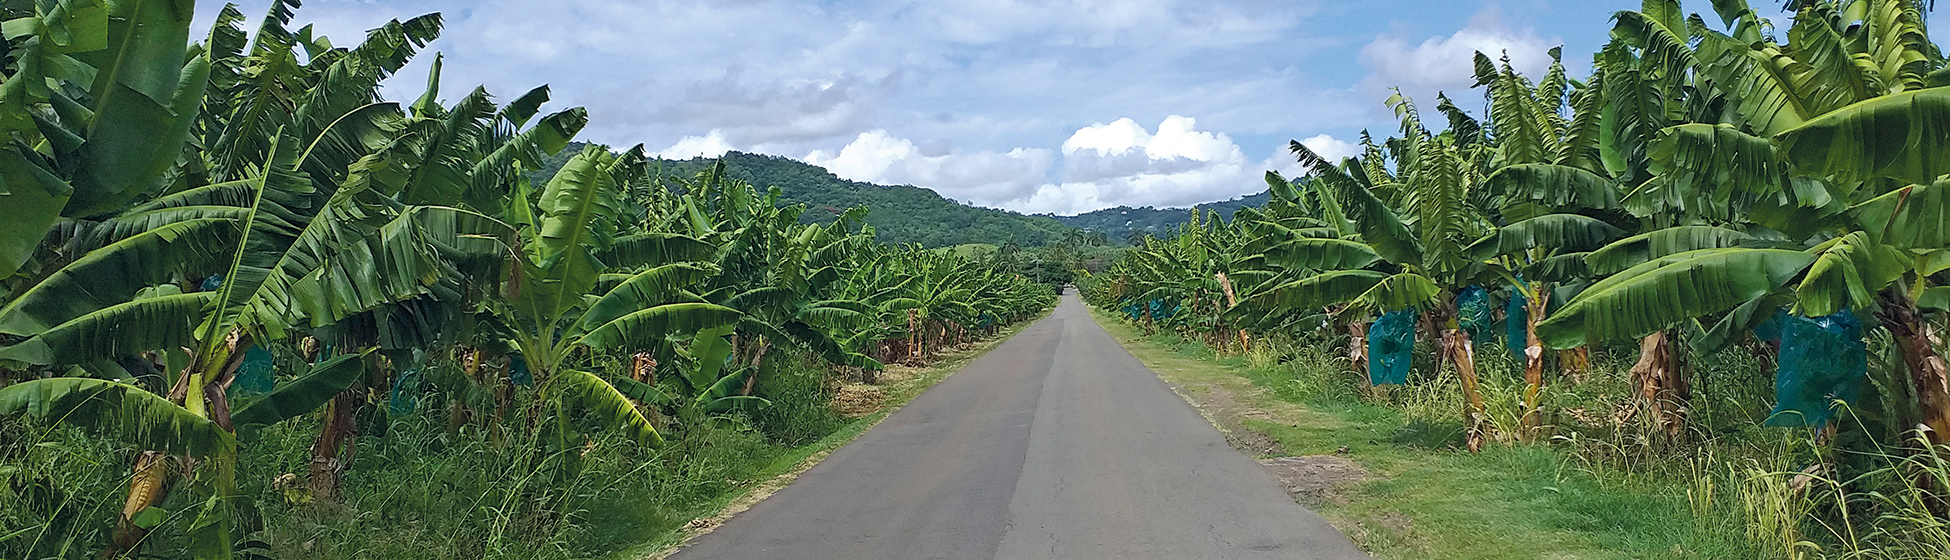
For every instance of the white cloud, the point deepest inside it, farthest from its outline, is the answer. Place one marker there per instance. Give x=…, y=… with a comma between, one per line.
x=1447, y=64
x=708, y=146
x=1121, y=163
x=1334, y=149
x=1103, y=165
x=982, y=177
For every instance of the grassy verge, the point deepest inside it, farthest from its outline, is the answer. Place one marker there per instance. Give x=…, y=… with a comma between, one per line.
x=1420, y=497
x=906, y=383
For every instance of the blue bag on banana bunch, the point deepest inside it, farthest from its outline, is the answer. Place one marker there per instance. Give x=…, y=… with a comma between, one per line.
x=1822, y=360
x=1391, y=345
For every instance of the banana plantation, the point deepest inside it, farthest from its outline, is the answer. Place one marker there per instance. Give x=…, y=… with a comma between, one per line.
x=1721, y=192
x=249, y=308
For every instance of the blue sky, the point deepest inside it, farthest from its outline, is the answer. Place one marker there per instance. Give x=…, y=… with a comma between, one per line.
x=1060, y=106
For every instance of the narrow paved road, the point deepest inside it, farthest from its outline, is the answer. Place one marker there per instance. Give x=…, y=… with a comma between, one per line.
x=1056, y=444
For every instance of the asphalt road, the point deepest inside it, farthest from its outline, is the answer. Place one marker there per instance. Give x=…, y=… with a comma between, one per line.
x=1056, y=444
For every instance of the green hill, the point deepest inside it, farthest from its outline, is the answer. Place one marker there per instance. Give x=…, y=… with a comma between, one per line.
x=1122, y=224
x=899, y=213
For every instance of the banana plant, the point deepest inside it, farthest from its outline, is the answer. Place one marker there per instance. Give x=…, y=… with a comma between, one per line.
x=1414, y=259
x=164, y=427
x=1805, y=149
x=116, y=135
x=710, y=388
x=549, y=305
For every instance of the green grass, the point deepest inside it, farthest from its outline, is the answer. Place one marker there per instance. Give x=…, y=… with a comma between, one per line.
x=1428, y=499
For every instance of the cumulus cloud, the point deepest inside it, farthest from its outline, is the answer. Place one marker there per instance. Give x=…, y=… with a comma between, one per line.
x=1446, y=64
x=1102, y=165
x=1334, y=149
x=983, y=177
x=762, y=111
x=1122, y=163
x=707, y=146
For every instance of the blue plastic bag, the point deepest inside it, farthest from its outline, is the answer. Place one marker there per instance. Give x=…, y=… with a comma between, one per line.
x=1516, y=314
x=518, y=371
x=1473, y=312
x=405, y=397
x=254, y=375
x=1391, y=345
x=1823, y=359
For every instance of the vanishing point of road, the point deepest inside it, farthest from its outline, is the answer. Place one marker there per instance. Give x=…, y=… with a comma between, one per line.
x=1055, y=444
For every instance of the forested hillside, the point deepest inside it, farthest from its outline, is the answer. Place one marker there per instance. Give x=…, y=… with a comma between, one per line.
x=899, y=213
x=1124, y=223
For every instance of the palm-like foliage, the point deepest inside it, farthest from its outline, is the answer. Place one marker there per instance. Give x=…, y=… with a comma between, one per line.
x=183, y=208
x=1702, y=172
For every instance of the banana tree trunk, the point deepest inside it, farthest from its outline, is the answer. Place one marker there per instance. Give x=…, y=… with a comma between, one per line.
x=1917, y=341
x=643, y=368
x=1232, y=300
x=1357, y=350
x=1576, y=363
x=1475, y=412
x=336, y=434
x=913, y=334
x=1533, y=357
x=1661, y=384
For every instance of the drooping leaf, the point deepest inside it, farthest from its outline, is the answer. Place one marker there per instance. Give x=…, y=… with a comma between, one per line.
x=1378, y=224
x=654, y=249
x=596, y=402
x=1662, y=292
x=145, y=99
x=1905, y=136
x=33, y=197
x=1559, y=232
x=1912, y=217
x=113, y=274
x=1848, y=272
x=1553, y=186
x=647, y=289
x=1400, y=291
x=1321, y=254
x=648, y=328
x=745, y=404
x=304, y=394
x=1315, y=292
x=115, y=331
x=1631, y=251
x=125, y=412
x=1709, y=171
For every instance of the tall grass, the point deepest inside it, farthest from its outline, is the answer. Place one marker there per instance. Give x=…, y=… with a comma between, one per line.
x=419, y=489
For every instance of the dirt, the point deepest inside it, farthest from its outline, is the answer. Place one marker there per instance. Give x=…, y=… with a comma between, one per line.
x=855, y=400
x=1314, y=479
x=1228, y=414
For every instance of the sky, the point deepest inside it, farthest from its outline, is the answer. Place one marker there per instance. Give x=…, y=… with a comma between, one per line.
x=1037, y=106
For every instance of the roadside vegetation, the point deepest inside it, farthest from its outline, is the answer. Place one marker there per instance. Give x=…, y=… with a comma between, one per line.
x=1704, y=282
x=249, y=308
